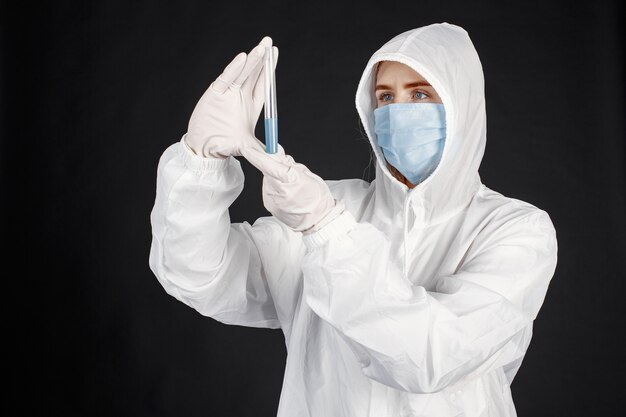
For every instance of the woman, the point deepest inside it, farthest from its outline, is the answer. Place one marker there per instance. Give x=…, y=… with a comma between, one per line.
x=412, y=295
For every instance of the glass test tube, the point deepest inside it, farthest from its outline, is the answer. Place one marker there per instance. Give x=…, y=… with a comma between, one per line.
x=271, y=115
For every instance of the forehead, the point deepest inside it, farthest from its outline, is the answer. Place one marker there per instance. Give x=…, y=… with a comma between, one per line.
x=389, y=70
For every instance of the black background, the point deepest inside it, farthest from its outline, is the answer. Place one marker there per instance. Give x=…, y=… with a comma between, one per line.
x=93, y=93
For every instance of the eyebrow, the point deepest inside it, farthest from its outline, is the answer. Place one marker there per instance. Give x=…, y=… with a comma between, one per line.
x=409, y=85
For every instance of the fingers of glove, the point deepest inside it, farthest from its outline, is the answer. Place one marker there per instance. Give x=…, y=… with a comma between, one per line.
x=258, y=94
x=249, y=83
x=272, y=165
x=254, y=142
x=258, y=73
x=268, y=164
x=255, y=57
x=306, y=171
x=253, y=79
x=229, y=74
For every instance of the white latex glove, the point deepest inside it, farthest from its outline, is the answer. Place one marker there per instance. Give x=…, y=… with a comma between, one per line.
x=224, y=119
x=291, y=192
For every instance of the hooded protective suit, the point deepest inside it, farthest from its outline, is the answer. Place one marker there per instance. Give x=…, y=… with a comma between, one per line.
x=412, y=302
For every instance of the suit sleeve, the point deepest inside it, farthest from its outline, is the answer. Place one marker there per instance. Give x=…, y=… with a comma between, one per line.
x=197, y=255
x=474, y=321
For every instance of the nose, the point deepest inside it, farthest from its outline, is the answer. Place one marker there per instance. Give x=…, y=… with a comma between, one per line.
x=404, y=98
x=400, y=97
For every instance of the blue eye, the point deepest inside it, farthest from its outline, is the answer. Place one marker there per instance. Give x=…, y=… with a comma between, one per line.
x=420, y=95
x=384, y=95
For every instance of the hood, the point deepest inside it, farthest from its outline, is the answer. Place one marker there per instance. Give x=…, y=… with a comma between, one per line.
x=445, y=56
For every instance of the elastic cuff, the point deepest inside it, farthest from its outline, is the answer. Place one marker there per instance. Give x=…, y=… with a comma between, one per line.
x=200, y=163
x=340, y=225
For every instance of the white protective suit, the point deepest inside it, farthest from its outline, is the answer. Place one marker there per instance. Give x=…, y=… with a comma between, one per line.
x=412, y=302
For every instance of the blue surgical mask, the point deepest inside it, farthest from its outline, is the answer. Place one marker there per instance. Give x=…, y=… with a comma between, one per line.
x=411, y=136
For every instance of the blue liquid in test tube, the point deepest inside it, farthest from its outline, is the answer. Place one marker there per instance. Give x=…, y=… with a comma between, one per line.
x=271, y=115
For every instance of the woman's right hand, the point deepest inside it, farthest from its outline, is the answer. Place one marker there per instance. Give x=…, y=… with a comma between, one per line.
x=224, y=119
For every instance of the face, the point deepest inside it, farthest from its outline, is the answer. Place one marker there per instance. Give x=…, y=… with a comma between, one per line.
x=399, y=83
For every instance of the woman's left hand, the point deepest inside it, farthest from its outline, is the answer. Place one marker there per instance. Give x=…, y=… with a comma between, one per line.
x=291, y=192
